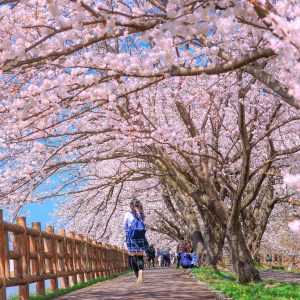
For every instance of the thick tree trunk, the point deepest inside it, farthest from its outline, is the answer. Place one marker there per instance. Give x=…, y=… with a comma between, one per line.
x=242, y=260
x=208, y=248
x=253, y=231
x=198, y=245
x=213, y=235
x=253, y=243
x=207, y=242
x=195, y=234
x=255, y=222
x=207, y=254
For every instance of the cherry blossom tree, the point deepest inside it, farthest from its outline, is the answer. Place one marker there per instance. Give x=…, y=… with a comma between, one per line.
x=170, y=37
x=154, y=134
x=282, y=232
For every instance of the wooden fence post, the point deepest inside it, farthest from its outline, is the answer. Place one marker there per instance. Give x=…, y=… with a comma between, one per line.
x=100, y=259
x=110, y=261
x=51, y=245
x=120, y=259
x=24, y=289
x=81, y=258
x=107, y=257
x=86, y=259
x=16, y=243
x=95, y=260
x=6, y=254
x=72, y=258
x=2, y=259
x=64, y=260
x=103, y=259
x=107, y=254
x=92, y=259
x=40, y=285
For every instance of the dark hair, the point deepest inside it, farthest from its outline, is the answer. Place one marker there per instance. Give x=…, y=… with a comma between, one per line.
x=137, y=203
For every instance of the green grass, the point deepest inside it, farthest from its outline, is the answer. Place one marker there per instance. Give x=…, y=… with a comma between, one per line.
x=52, y=295
x=227, y=283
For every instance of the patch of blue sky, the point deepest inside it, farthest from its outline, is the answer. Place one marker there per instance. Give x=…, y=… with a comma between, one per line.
x=61, y=183
x=91, y=72
x=202, y=60
x=144, y=44
x=137, y=38
x=43, y=211
x=69, y=42
x=68, y=70
x=88, y=72
x=154, y=11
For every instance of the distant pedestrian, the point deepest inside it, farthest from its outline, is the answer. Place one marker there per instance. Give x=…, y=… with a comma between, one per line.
x=166, y=258
x=159, y=256
x=136, y=241
x=186, y=260
x=182, y=247
x=195, y=260
x=173, y=256
x=150, y=256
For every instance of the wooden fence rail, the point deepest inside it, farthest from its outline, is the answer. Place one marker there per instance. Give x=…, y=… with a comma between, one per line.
x=272, y=259
x=279, y=260
x=37, y=256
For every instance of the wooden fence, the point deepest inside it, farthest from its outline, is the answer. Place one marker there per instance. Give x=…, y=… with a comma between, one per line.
x=270, y=259
x=29, y=255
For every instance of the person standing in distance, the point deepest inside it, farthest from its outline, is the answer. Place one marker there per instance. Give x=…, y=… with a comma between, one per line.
x=182, y=247
x=136, y=240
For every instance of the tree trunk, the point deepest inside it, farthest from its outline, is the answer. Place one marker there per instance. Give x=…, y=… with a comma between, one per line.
x=255, y=221
x=213, y=235
x=208, y=249
x=254, y=246
x=242, y=260
x=198, y=245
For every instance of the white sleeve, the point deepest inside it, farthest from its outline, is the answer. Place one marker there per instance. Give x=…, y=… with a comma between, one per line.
x=125, y=220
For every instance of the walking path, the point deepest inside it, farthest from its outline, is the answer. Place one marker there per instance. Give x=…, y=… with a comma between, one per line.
x=160, y=283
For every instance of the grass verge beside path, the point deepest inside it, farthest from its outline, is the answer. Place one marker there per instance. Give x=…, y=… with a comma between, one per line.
x=267, y=290
x=60, y=292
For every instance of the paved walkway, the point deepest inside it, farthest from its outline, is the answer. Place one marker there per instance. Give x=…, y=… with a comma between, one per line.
x=160, y=283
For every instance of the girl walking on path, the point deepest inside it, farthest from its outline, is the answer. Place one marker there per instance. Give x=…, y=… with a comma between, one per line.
x=136, y=244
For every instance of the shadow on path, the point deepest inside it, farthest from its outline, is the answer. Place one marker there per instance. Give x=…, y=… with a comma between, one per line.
x=160, y=283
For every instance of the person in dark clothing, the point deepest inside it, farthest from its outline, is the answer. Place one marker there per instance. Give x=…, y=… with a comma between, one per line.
x=151, y=256
x=166, y=258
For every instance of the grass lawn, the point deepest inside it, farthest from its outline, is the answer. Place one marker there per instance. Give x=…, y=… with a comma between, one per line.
x=267, y=290
x=60, y=292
